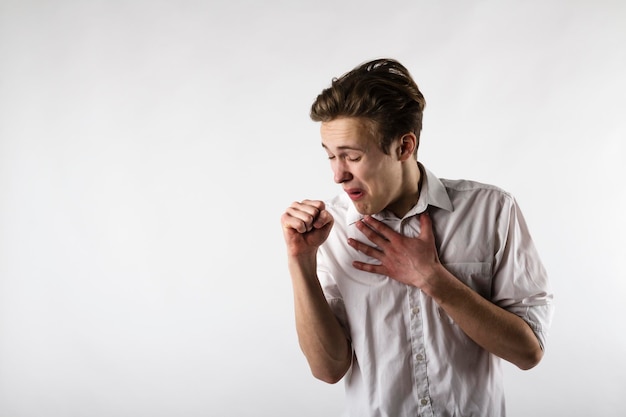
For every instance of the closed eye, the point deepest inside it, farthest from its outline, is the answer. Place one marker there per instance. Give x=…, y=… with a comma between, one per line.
x=349, y=158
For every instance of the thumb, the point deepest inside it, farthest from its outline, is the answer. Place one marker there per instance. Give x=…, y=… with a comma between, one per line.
x=323, y=219
x=426, y=226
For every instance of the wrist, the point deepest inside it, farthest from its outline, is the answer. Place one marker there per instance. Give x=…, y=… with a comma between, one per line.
x=302, y=262
x=437, y=283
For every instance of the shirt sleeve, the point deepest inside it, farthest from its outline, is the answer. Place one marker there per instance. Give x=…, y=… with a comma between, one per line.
x=332, y=293
x=520, y=281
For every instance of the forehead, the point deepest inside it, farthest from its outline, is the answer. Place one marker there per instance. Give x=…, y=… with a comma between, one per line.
x=347, y=132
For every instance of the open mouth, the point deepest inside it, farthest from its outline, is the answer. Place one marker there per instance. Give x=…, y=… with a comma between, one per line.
x=354, y=193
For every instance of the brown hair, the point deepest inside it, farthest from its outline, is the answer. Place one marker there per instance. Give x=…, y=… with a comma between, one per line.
x=381, y=91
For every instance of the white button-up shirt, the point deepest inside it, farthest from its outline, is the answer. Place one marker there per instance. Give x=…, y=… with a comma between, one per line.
x=409, y=357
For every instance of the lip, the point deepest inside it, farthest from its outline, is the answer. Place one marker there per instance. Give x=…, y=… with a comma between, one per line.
x=354, y=193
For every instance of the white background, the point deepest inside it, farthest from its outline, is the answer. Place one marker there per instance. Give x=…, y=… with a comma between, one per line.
x=148, y=149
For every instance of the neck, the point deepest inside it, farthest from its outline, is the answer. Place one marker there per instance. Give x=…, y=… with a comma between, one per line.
x=410, y=193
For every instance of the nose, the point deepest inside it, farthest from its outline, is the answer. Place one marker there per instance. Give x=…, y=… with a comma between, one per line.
x=341, y=172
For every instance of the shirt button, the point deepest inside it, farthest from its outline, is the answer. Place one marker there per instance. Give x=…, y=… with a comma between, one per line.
x=424, y=401
x=419, y=357
x=415, y=310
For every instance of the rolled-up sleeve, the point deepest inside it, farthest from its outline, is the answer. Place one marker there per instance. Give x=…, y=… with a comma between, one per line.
x=520, y=281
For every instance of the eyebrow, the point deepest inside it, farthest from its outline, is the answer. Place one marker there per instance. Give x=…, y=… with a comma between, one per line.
x=346, y=147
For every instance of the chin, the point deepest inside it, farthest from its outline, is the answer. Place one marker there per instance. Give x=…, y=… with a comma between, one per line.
x=365, y=210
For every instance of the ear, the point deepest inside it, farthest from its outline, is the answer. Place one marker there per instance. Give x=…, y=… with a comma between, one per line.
x=406, y=147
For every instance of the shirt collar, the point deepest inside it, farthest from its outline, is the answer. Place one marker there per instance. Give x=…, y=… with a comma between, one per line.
x=433, y=193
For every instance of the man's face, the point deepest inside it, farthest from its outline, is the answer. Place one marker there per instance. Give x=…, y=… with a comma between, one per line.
x=371, y=178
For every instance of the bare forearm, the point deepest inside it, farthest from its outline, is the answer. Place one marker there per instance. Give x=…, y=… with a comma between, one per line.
x=498, y=331
x=321, y=337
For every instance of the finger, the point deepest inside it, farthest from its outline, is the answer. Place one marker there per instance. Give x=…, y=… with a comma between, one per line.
x=380, y=227
x=373, y=268
x=374, y=230
x=308, y=206
x=318, y=204
x=426, y=226
x=290, y=222
x=314, y=208
x=305, y=213
x=366, y=249
x=323, y=219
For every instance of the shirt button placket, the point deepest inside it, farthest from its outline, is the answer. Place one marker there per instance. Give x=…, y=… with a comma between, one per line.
x=419, y=359
x=420, y=374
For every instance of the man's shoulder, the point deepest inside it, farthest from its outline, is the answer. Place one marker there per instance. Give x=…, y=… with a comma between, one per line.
x=474, y=196
x=466, y=186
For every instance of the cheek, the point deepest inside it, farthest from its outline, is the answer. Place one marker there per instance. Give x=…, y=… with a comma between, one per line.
x=374, y=176
x=366, y=174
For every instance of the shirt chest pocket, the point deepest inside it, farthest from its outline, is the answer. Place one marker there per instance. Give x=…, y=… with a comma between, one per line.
x=476, y=275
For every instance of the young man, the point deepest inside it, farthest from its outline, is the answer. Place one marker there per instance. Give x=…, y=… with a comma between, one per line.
x=411, y=287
